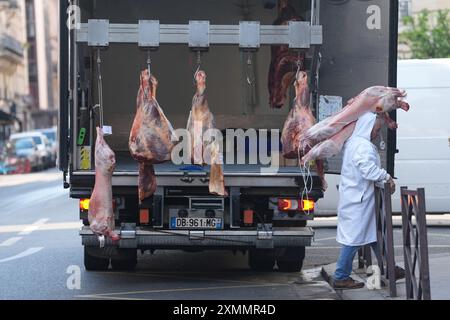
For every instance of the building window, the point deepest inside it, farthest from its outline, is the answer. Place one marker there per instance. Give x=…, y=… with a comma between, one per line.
x=404, y=9
x=30, y=19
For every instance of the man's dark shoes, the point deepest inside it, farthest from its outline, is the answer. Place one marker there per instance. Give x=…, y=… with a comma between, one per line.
x=399, y=273
x=347, y=284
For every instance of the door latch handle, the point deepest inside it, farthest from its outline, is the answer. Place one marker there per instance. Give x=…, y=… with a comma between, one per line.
x=187, y=179
x=204, y=180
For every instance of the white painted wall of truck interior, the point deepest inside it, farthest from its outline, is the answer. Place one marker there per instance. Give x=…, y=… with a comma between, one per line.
x=423, y=137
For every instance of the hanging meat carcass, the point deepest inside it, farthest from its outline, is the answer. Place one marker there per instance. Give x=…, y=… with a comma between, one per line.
x=101, y=214
x=299, y=120
x=376, y=99
x=152, y=137
x=204, y=148
x=284, y=62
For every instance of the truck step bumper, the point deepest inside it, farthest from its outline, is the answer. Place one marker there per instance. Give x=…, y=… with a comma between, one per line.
x=179, y=239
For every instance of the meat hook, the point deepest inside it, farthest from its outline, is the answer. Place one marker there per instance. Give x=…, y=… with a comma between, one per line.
x=199, y=64
x=149, y=62
x=100, y=88
x=249, y=65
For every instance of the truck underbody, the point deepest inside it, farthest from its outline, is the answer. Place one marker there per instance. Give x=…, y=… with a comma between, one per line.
x=251, y=219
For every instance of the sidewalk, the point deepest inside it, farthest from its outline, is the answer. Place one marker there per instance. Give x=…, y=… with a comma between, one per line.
x=433, y=220
x=439, y=281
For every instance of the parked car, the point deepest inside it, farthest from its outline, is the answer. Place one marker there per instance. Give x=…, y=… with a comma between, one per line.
x=42, y=144
x=50, y=133
x=24, y=154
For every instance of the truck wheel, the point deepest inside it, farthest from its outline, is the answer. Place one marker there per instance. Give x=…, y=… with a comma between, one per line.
x=93, y=263
x=291, y=259
x=127, y=262
x=261, y=259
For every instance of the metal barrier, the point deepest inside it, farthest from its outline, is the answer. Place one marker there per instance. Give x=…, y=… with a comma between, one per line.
x=385, y=239
x=416, y=259
x=385, y=236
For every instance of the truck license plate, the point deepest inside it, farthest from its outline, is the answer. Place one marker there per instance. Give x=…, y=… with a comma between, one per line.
x=195, y=223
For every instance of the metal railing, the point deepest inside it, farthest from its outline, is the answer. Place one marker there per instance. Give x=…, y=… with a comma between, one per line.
x=385, y=236
x=385, y=239
x=415, y=251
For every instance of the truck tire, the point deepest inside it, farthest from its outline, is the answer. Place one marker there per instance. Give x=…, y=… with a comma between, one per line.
x=93, y=263
x=291, y=259
x=126, y=261
x=261, y=259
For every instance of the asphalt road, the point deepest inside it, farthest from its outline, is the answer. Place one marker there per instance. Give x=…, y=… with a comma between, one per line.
x=41, y=257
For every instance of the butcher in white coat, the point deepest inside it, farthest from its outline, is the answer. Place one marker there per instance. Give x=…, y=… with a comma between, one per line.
x=361, y=167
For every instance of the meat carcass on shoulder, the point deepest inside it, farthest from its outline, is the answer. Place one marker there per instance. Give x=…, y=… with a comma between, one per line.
x=330, y=147
x=152, y=137
x=375, y=99
x=204, y=148
x=101, y=214
x=333, y=146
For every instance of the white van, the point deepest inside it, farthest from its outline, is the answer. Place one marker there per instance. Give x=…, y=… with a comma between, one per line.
x=423, y=137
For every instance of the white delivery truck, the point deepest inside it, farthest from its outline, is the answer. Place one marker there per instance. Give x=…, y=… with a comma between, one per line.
x=348, y=46
x=423, y=137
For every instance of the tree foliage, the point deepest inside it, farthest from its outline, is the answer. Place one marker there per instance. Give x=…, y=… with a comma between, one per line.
x=427, y=35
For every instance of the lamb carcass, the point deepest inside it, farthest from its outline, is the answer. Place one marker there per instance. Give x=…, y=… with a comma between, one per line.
x=284, y=62
x=332, y=146
x=101, y=214
x=152, y=137
x=299, y=120
x=376, y=99
x=204, y=148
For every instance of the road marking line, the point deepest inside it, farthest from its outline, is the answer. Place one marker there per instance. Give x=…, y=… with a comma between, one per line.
x=183, y=290
x=324, y=239
x=31, y=228
x=431, y=234
x=10, y=241
x=44, y=227
x=166, y=275
x=23, y=254
x=436, y=246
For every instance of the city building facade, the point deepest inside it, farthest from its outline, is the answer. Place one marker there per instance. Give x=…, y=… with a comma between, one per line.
x=14, y=93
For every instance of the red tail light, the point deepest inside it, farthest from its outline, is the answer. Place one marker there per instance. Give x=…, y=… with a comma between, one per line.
x=84, y=204
x=295, y=205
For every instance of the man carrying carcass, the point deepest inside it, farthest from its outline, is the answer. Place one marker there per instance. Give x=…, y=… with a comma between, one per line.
x=361, y=167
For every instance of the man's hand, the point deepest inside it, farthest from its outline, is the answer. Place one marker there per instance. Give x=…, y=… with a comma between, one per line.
x=392, y=185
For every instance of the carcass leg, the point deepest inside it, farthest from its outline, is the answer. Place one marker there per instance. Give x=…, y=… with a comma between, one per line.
x=147, y=180
x=216, y=180
x=389, y=122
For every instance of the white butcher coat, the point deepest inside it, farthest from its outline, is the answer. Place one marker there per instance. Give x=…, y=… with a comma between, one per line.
x=361, y=167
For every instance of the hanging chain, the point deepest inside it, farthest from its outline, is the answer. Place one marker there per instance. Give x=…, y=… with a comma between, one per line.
x=199, y=64
x=149, y=69
x=249, y=67
x=299, y=64
x=149, y=62
x=100, y=87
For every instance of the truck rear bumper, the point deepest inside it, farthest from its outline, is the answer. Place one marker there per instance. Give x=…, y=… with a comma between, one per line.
x=180, y=239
